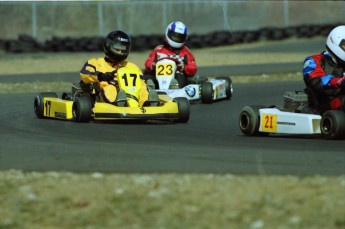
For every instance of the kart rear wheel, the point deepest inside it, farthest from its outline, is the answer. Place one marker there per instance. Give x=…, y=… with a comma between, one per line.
x=250, y=120
x=81, y=109
x=228, y=86
x=39, y=102
x=333, y=124
x=207, y=92
x=183, y=109
x=66, y=96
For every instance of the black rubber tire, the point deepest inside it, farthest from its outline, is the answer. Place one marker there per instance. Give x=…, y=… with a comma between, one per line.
x=81, y=109
x=333, y=124
x=183, y=109
x=228, y=86
x=66, y=96
x=249, y=120
x=38, y=102
x=207, y=92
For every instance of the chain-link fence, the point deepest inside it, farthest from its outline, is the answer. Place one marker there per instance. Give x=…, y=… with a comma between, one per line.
x=44, y=20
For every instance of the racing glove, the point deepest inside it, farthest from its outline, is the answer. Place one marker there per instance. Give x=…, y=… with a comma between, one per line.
x=107, y=76
x=180, y=66
x=341, y=83
x=153, y=66
x=180, y=62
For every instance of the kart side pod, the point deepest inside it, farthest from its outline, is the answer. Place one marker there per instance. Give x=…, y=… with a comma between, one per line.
x=257, y=120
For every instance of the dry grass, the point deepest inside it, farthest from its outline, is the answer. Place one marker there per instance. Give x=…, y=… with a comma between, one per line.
x=67, y=200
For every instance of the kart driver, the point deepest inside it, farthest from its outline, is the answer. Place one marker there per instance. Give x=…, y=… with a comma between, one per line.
x=174, y=46
x=102, y=71
x=324, y=73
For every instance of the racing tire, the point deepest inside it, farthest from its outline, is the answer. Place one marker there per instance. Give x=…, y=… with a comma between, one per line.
x=81, y=109
x=332, y=124
x=183, y=109
x=39, y=102
x=207, y=92
x=249, y=120
x=66, y=96
x=228, y=86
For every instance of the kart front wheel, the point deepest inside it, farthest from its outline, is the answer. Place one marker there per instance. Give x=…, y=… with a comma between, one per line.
x=39, y=102
x=228, y=86
x=183, y=109
x=333, y=124
x=250, y=120
x=81, y=109
x=207, y=92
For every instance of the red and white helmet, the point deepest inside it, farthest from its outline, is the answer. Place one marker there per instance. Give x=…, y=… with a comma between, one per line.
x=335, y=44
x=176, y=34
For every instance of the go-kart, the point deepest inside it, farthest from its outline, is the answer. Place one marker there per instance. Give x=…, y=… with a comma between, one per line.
x=298, y=116
x=204, y=90
x=81, y=106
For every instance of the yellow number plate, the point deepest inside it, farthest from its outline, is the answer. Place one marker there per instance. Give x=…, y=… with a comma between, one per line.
x=164, y=70
x=269, y=123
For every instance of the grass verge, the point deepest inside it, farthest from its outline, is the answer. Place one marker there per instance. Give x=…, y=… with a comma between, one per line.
x=96, y=200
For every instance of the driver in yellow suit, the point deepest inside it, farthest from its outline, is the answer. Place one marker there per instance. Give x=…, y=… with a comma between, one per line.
x=103, y=70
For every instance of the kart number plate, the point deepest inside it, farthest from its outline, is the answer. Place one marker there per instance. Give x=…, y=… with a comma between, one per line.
x=269, y=123
x=164, y=70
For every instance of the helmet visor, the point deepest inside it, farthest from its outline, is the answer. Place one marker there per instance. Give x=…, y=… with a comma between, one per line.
x=342, y=44
x=177, y=37
x=119, y=48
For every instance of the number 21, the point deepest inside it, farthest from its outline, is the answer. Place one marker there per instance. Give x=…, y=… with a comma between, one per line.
x=269, y=122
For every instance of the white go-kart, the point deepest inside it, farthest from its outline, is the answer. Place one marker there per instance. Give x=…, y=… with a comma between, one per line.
x=206, y=91
x=297, y=117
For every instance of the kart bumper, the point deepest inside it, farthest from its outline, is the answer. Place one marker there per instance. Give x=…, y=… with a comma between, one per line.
x=58, y=108
x=104, y=111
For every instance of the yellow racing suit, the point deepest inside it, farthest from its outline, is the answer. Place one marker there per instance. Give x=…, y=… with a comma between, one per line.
x=108, y=90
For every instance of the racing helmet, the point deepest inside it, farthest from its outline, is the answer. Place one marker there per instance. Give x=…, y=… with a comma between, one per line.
x=117, y=46
x=335, y=45
x=176, y=34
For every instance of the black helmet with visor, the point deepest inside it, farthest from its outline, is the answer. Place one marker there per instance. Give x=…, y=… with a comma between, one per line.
x=117, y=46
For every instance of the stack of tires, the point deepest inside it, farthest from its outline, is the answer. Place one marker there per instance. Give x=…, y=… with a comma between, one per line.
x=26, y=43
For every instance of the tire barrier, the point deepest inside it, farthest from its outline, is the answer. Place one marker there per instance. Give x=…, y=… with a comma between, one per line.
x=27, y=44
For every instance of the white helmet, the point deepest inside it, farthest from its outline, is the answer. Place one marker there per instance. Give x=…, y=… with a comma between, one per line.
x=335, y=44
x=176, y=34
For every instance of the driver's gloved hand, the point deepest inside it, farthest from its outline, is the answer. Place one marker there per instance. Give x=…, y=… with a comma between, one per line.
x=107, y=76
x=341, y=83
x=153, y=66
x=180, y=66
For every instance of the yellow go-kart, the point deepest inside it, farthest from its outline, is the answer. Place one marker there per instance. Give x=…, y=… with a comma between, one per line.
x=81, y=106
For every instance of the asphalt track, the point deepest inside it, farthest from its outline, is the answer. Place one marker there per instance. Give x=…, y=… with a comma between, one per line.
x=211, y=142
